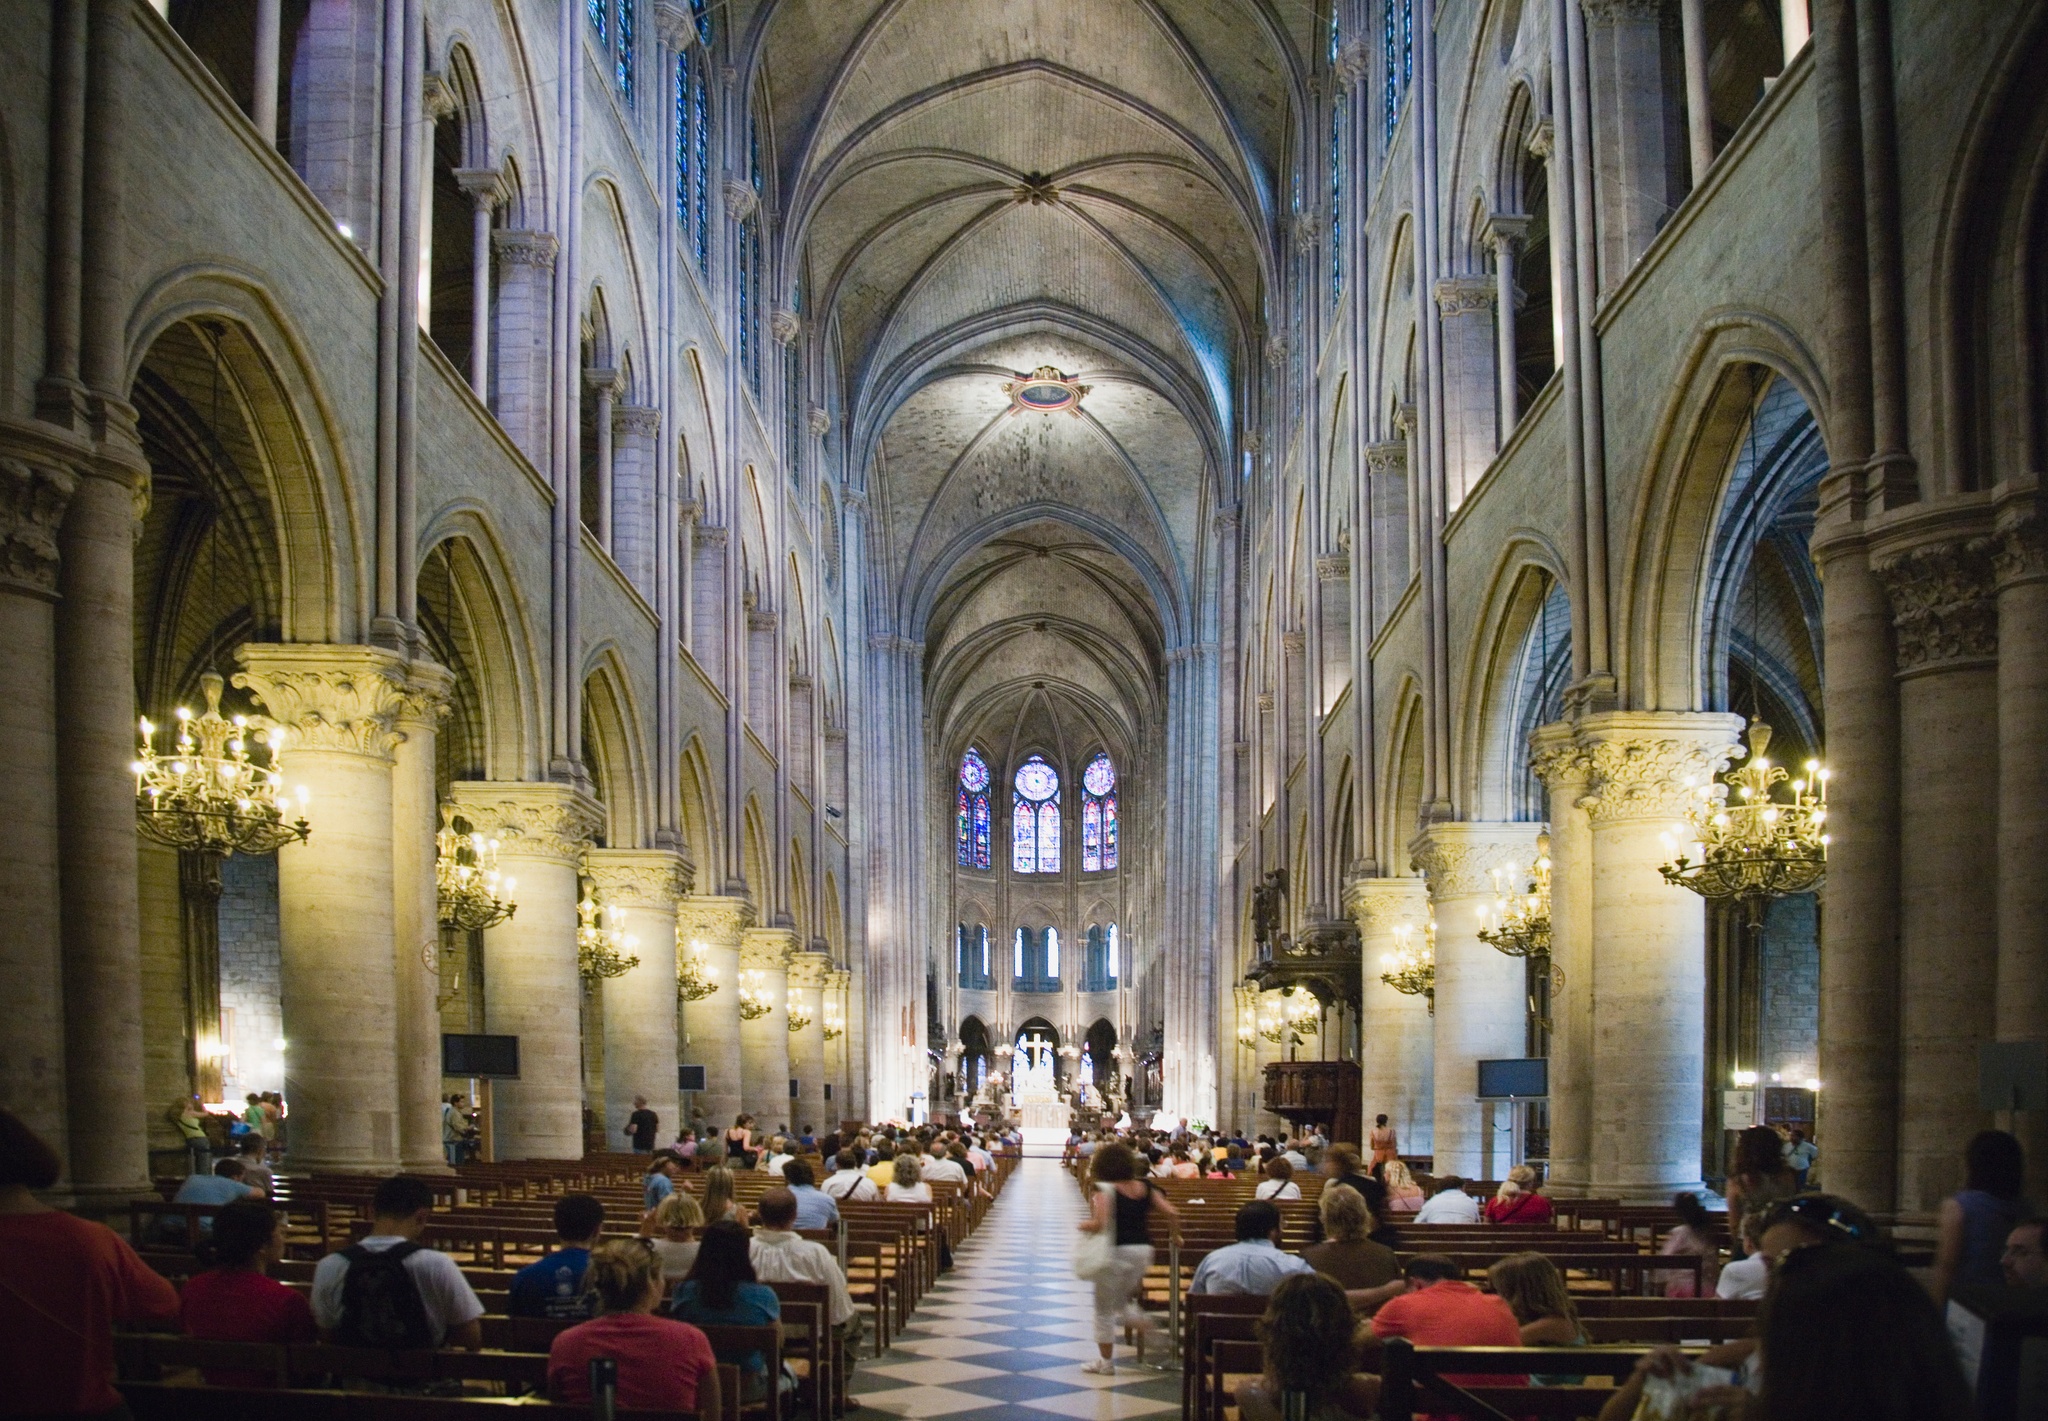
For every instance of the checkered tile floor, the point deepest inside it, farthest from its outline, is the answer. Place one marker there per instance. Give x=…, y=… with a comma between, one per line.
x=1005, y=1333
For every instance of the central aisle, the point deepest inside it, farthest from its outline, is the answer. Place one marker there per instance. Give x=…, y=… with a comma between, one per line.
x=1005, y=1333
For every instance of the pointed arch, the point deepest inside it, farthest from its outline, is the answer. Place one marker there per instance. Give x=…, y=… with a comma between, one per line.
x=614, y=749
x=701, y=828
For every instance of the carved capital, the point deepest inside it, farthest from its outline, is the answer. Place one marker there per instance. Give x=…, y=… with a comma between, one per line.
x=741, y=201
x=636, y=421
x=533, y=819
x=839, y=979
x=1507, y=230
x=1407, y=419
x=767, y=949
x=601, y=380
x=1254, y=441
x=2022, y=552
x=1944, y=603
x=33, y=497
x=652, y=880
x=710, y=535
x=1308, y=229
x=1464, y=295
x=716, y=922
x=1379, y=905
x=427, y=697
x=1543, y=138
x=818, y=420
x=674, y=26
x=855, y=500
x=1278, y=347
x=784, y=325
x=343, y=699
x=1354, y=63
x=437, y=95
x=1557, y=758
x=1265, y=702
x=1649, y=765
x=1459, y=859
x=1293, y=643
x=1333, y=567
x=760, y=621
x=485, y=186
x=810, y=970
x=1389, y=457
x=523, y=248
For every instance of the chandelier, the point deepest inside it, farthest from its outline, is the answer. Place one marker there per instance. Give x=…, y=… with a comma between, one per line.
x=755, y=999
x=471, y=893
x=601, y=940
x=835, y=1021
x=696, y=979
x=1301, y=1010
x=1521, y=921
x=207, y=794
x=1753, y=846
x=798, y=1017
x=1410, y=970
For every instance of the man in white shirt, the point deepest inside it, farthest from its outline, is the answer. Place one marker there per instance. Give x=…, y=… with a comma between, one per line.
x=401, y=1208
x=778, y=1154
x=1449, y=1205
x=1746, y=1278
x=848, y=1182
x=1254, y=1265
x=1293, y=1155
x=780, y=1256
x=941, y=1168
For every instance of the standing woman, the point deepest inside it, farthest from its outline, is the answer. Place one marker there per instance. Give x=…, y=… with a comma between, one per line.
x=739, y=1143
x=1384, y=1146
x=1974, y=1221
x=1758, y=1174
x=1123, y=1203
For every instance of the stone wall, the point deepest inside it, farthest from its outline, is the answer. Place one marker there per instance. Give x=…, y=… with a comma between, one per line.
x=1790, y=1018
x=251, y=968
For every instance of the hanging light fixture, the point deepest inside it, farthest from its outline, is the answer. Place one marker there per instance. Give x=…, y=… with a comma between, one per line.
x=1521, y=921
x=472, y=895
x=1272, y=1026
x=696, y=978
x=1411, y=970
x=1753, y=846
x=835, y=1020
x=602, y=944
x=208, y=793
x=799, y=1018
x=756, y=1001
x=1301, y=1010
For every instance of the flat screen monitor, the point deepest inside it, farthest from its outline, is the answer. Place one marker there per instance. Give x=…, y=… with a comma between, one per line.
x=690, y=1078
x=491, y=1057
x=1524, y=1078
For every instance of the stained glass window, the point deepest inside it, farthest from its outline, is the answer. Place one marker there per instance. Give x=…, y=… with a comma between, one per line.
x=1112, y=952
x=700, y=125
x=970, y=830
x=1035, y=818
x=1052, y=954
x=622, y=60
x=1020, y=955
x=1336, y=198
x=1397, y=46
x=1098, y=815
x=596, y=9
x=683, y=143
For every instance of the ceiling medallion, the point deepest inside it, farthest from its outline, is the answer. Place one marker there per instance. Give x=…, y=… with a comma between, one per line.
x=1045, y=391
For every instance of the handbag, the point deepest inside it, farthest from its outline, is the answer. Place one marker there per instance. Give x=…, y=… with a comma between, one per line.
x=1094, y=1252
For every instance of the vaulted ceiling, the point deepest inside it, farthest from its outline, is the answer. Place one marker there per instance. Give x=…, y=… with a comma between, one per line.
x=973, y=189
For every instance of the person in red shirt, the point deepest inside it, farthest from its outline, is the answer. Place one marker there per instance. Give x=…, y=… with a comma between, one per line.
x=234, y=1301
x=1519, y=1200
x=64, y=1283
x=1441, y=1309
x=664, y=1365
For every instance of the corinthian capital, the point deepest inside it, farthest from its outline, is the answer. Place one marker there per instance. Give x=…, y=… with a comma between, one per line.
x=333, y=698
x=1557, y=759
x=1379, y=905
x=650, y=879
x=1389, y=457
x=1944, y=602
x=1649, y=764
x=767, y=949
x=716, y=922
x=741, y=201
x=810, y=969
x=426, y=700
x=33, y=497
x=1460, y=859
x=1462, y=295
x=523, y=248
x=1354, y=63
x=531, y=819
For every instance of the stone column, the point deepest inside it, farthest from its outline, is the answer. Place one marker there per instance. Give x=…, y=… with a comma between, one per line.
x=1649, y=946
x=33, y=496
x=808, y=973
x=2021, y=562
x=1945, y=611
x=605, y=385
x=199, y=891
x=416, y=928
x=526, y=277
x=1396, y=1031
x=486, y=190
x=1471, y=383
x=1505, y=234
x=764, y=1040
x=1481, y=1009
x=640, y=1007
x=1563, y=767
x=1631, y=153
x=839, y=1051
x=263, y=103
x=634, y=461
x=336, y=898
x=531, y=987
x=1699, y=99
x=711, y=1028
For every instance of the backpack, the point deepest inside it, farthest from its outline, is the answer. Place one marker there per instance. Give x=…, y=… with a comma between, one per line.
x=381, y=1305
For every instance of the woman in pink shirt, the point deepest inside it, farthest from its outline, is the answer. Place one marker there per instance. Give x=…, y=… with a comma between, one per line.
x=663, y=1365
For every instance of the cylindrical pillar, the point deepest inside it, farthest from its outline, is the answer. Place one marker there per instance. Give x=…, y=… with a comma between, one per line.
x=486, y=190
x=807, y=987
x=605, y=385
x=1506, y=234
x=1945, y=611
x=2022, y=567
x=263, y=103
x=336, y=899
x=838, y=998
x=764, y=1038
x=1562, y=765
x=416, y=929
x=640, y=1007
x=1396, y=1046
x=1481, y=1008
x=33, y=496
x=102, y=997
x=1699, y=97
x=531, y=988
x=708, y=930
x=1644, y=770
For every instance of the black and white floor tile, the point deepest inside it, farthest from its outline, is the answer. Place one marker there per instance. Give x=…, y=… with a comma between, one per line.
x=1005, y=1334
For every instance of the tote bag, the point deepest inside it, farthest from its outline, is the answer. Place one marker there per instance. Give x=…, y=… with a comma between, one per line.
x=1094, y=1252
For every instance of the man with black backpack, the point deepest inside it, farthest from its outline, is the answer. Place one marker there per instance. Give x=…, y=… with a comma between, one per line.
x=391, y=1292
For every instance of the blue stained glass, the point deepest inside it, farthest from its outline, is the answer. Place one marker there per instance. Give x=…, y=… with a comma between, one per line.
x=981, y=849
x=974, y=771
x=754, y=339
x=700, y=103
x=972, y=830
x=622, y=67
x=746, y=300
x=702, y=10
x=1109, y=832
x=963, y=841
x=1091, y=834
x=1336, y=200
x=1098, y=815
x=596, y=10
x=1023, y=842
x=683, y=143
x=1049, y=836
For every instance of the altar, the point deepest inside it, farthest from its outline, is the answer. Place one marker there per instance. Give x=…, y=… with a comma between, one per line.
x=1041, y=1109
